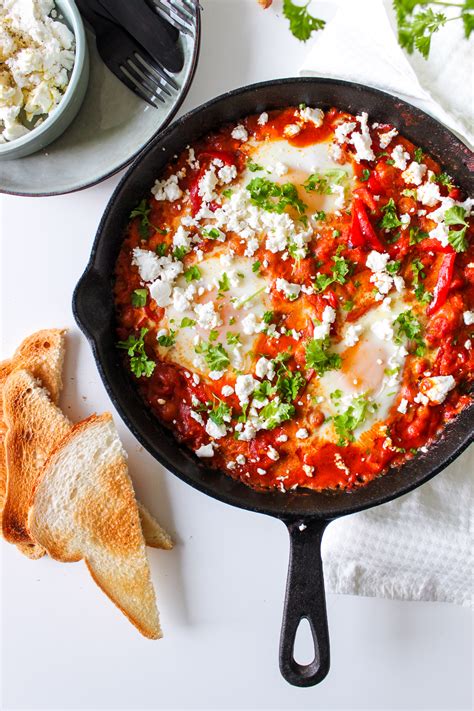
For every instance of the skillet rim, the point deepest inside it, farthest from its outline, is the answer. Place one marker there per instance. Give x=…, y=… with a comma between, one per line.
x=454, y=439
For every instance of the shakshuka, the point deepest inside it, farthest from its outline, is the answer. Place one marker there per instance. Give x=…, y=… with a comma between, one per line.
x=295, y=297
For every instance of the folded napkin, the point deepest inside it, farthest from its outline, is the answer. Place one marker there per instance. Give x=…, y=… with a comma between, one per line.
x=418, y=547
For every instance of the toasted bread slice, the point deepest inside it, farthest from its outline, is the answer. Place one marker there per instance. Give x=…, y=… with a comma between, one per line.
x=34, y=427
x=42, y=354
x=154, y=534
x=84, y=507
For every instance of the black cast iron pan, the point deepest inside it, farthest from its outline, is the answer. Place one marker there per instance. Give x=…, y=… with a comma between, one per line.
x=305, y=513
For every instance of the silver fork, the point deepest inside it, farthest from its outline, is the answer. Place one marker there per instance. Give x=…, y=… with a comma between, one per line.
x=180, y=13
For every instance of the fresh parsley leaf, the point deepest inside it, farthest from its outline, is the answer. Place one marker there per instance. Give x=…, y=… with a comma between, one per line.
x=161, y=249
x=192, y=274
x=456, y=215
x=180, y=252
x=321, y=182
x=394, y=266
x=167, y=340
x=289, y=383
x=232, y=338
x=253, y=167
x=274, y=197
x=268, y=316
x=348, y=305
x=227, y=193
x=263, y=390
x=444, y=179
x=215, y=356
x=139, y=297
x=220, y=413
x=418, y=275
x=275, y=413
x=416, y=235
x=224, y=282
x=407, y=324
x=140, y=364
x=320, y=216
x=390, y=219
x=213, y=335
x=212, y=233
x=418, y=155
x=319, y=357
x=143, y=212
x=345, y=423
x=256, y=267
x=187, y=322
x=340, y=269
x=365, y=175
x=302, y=24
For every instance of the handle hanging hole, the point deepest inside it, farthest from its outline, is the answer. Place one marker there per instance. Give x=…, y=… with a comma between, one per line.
x=304, y=652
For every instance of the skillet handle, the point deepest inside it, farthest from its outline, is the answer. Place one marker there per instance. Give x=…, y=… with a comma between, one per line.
x=305, y=599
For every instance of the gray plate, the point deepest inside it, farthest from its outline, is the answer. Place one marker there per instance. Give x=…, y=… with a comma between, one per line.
x=111, y=128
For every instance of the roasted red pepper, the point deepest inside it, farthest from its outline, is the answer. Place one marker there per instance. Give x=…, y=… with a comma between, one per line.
x=434, y=245
x=355, y=236
x=367, y=198
x=365, y=228
x=375, y=185
x=207, y=156
x=443, y=283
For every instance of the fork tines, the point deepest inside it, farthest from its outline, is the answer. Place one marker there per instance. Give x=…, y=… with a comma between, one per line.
x=180, y=13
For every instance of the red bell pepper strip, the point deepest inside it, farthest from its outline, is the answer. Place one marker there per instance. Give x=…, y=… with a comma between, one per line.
x=443, y=283
x=367, y=198
x=368, y=232
x=434, y=245
x=355, y=236
x=375, y=185
x=226, y=157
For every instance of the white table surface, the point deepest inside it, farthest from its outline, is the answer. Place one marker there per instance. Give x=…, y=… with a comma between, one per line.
x=220, y=591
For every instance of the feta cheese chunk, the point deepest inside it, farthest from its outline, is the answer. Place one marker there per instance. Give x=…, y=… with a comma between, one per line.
x=206, y=450
x=291, y=291
x=167, y=189
x=240, y=133
x=415, y=173
x=438, y=387
x=244, y=387
x=468, y=318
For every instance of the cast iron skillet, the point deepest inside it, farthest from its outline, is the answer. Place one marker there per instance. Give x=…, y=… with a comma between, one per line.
x=305, y=513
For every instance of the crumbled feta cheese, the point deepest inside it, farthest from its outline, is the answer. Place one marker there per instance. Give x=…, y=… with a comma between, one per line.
x=291, y=291
x=216, y=374
x=440, y=385
x=386, y=138
x=415, y=173
x=264, y=368
x=405, y=219
x=244, y=387
x=197, y=417
x=421, y=399
x=291, y=130
x=400, y=157
x=441, y=233
x=231, y=465
x=240, y=459
x=428, y=194
x=206, y=450
x=302, y=433
x=362, y=141
x=382, y=329
x=279, y=169
x=273, y=454
x=352, y=335
x=207, y=185
x=329, y=315
x=377, y=261
x=148, y=263
x=227, y=390
x=248, y=433
x=335, y=152
x=227, y=174
x=402, y=408
x=282, y=438
x=181, y=238
x=167, y=189
x=343, y=130
x=250, y=325
x=468, y=318
x=207, y=317
x=214, y=430
x=309, y=471
x=240, y=133
x=316, y=116
x=262, y=119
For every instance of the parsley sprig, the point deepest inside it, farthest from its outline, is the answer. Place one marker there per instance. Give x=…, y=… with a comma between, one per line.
x=142, y=210
x=406, y=324
x=302, y=24
x=274, y=197
x=456, y=215
x=346, y=422
x=140, y=364
x=417, y=23
x=215, y=356
x=320, y=358
x=339, y=271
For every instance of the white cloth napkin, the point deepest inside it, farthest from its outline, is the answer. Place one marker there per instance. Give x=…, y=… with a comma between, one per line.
x=418, y=547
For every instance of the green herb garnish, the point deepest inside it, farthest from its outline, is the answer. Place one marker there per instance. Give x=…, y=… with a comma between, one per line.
x=140, y=364
x=302, y=24
x=139, y=297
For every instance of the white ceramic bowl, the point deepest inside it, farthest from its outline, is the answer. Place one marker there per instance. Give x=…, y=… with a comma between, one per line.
x=60, y=118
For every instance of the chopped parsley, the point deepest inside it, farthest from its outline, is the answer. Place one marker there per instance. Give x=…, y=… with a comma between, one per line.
x=302, y=24
x=390, y=219
x=418, y=275
x=320, y=216
x=220, y=413
x=143, y=212
x=320, y=358
x=408, y=325
x=180, y=252
x=418, y=155
x=161, y=249
x=443, y=179
x=215, y=356
x=322, y=183
x=140, y=364
x=224, y=282
x=253, y=167
x=186, y=322
x=139, y=297
x=456, y=215
x=346, y=422
x=275, y=413
x=212, y=233
x=256, y=267
x=416, y=235
x=393, y=266
x=274, y=197
x=232, y=338
x=365, y=175
x=339, y=271
x=348, y=305
x=268, y=316
x=167, y=340
x=192, y=273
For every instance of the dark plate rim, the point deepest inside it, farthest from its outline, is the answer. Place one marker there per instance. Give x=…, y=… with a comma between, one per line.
x=136, y=155
x=275, y=503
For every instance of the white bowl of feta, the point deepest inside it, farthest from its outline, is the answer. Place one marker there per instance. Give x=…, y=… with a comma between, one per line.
x=44, y=71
